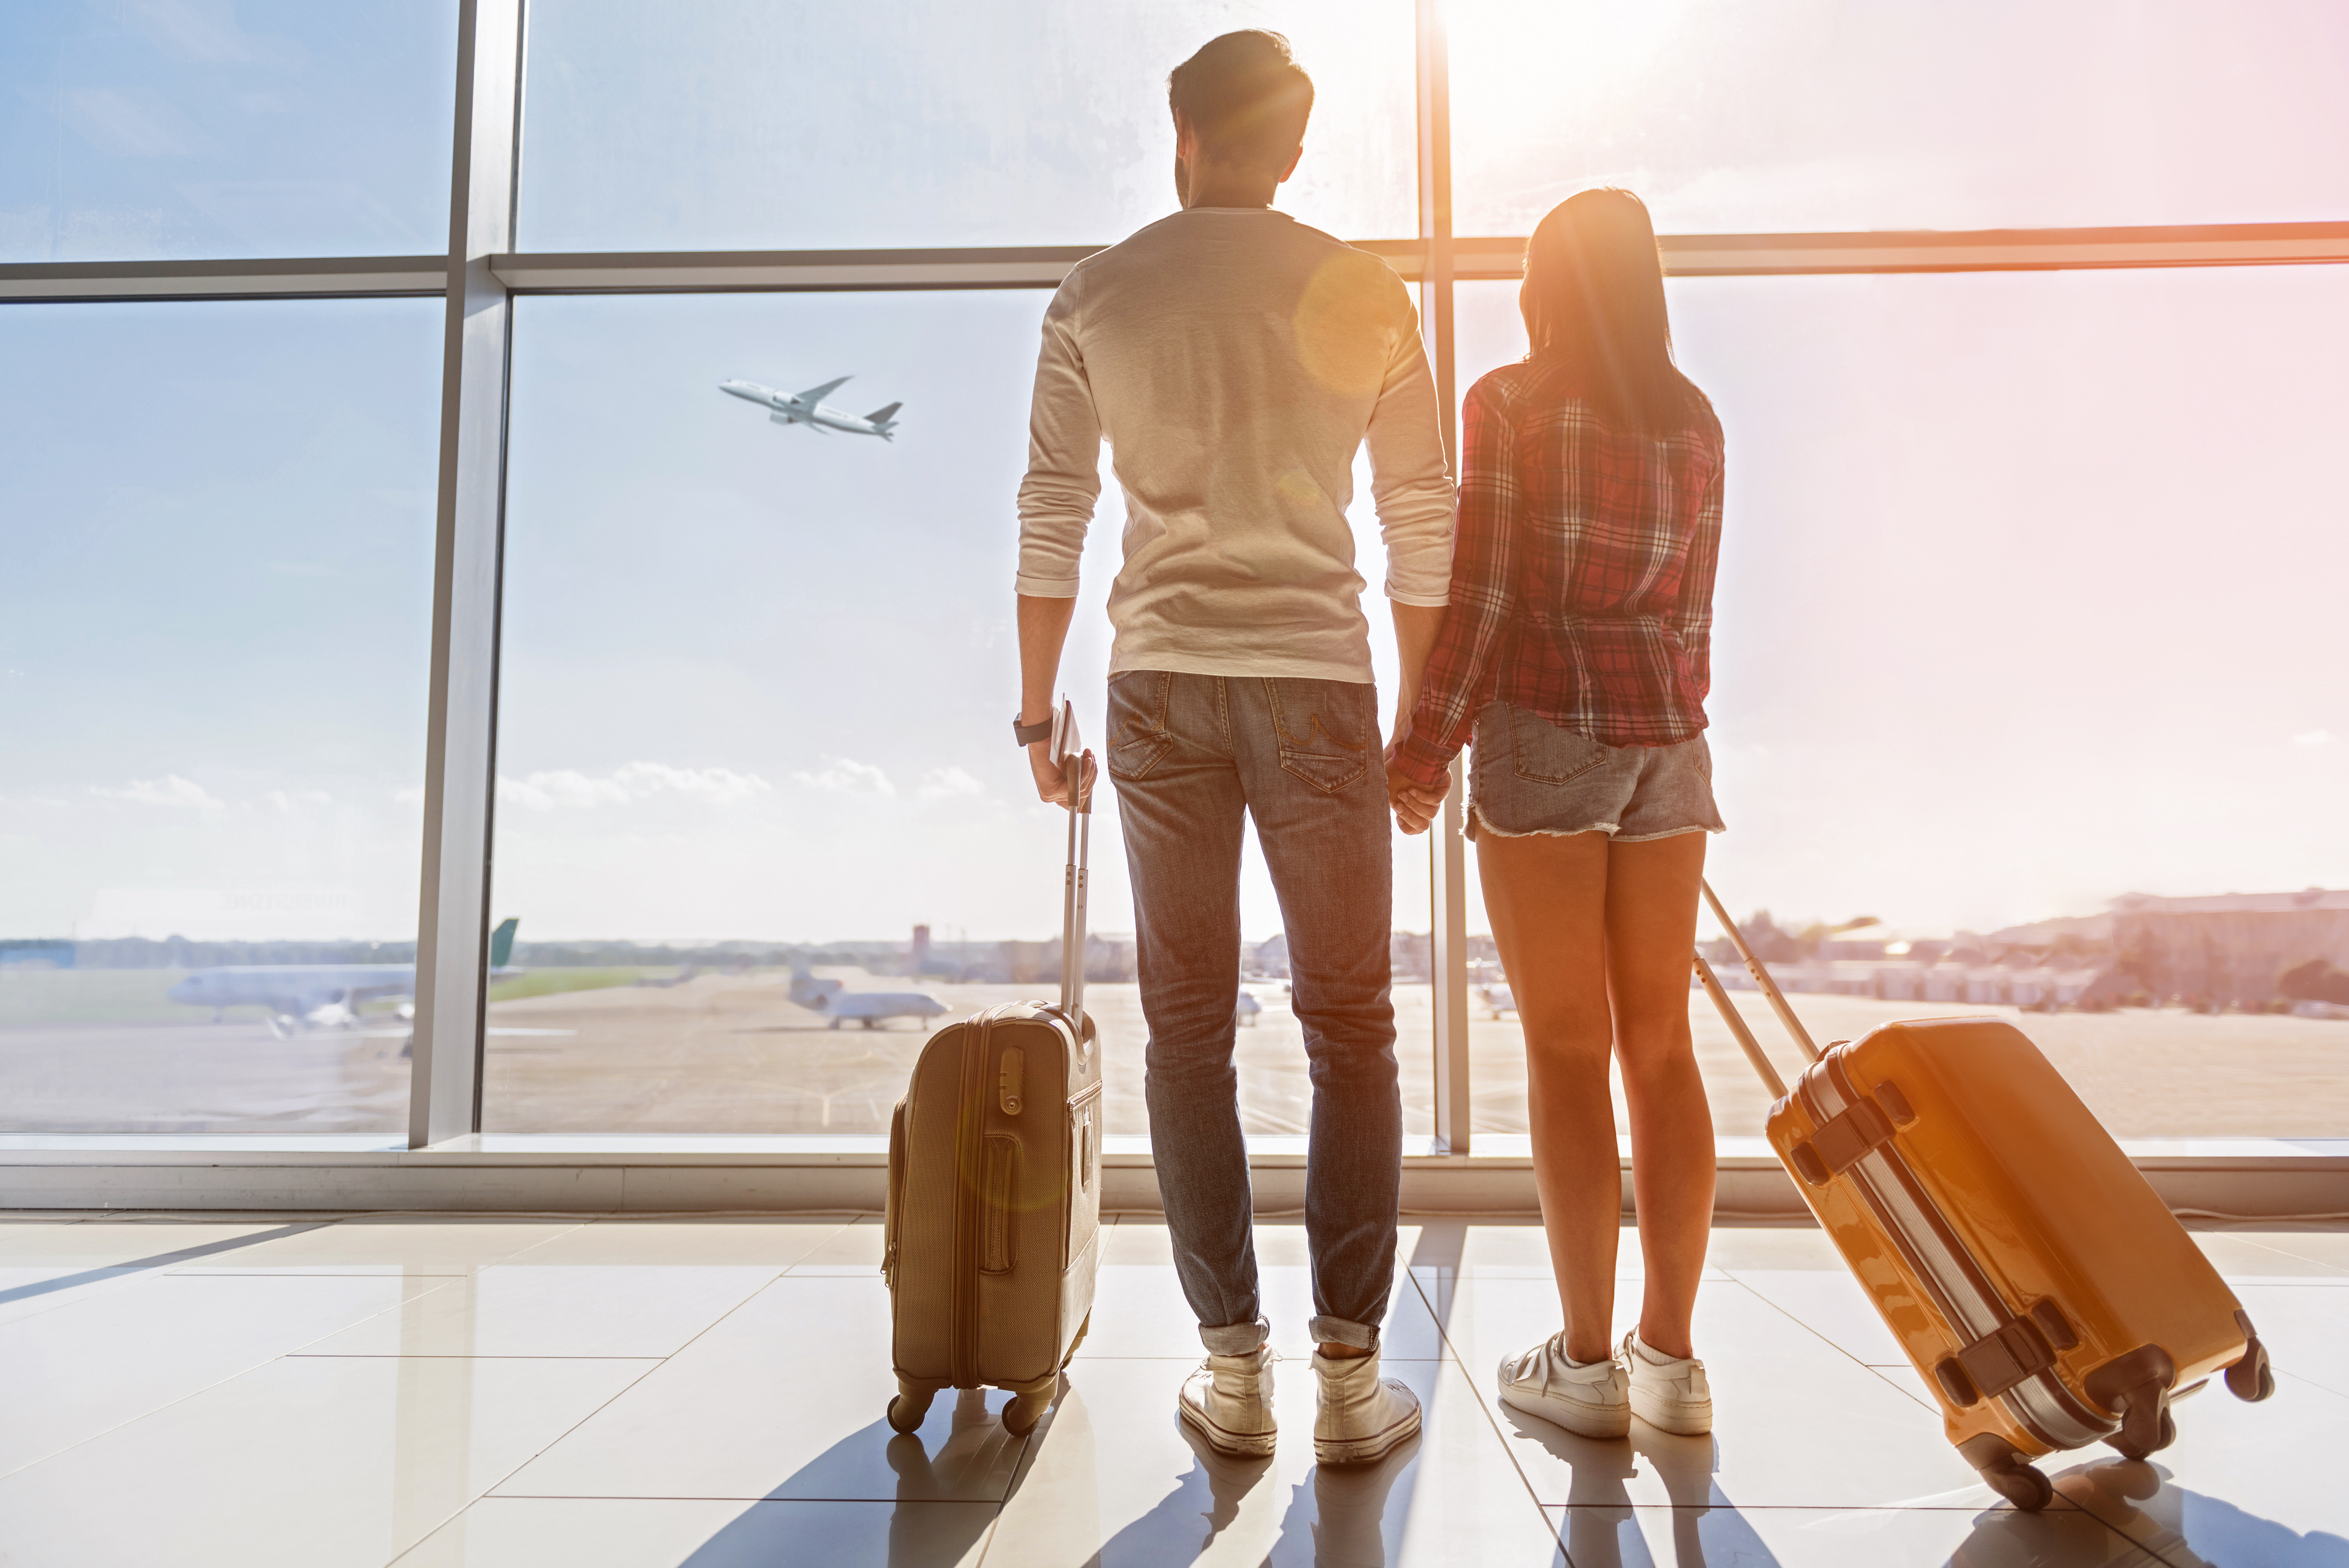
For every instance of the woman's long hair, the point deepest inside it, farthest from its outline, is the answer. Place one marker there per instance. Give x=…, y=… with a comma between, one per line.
x=1594, y=299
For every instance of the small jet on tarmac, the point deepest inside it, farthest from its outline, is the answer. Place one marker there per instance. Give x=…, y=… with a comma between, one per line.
x=870, y=1007
x=318, y=996
x=810, y=408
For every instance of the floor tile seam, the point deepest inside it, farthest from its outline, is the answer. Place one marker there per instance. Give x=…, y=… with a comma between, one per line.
x=245, y=1371
x=542, y=1241
x=141, y=1268
x=2118, y=1527
x=1491, y=1421
x=447, y=1356
x=77, y=1295
x=1788, y=1314
x=727, y=1497
x=621, y=1391
x=2062, y=1504
x=2304, y=1377
x=2337, y=1272
x=152, y=1410
x=548, y=1446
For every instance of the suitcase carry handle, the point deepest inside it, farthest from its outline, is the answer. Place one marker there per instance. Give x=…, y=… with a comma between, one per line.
x=1067, y=750
x=1769, y=988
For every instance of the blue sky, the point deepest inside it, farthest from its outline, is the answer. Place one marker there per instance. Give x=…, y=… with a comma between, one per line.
x=2030, y=585
x=134, y=128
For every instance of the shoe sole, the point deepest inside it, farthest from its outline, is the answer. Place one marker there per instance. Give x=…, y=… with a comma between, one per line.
x=1238, y=1445
x=1366, y=1450
x=1602, y=1422
x=1681, y=1420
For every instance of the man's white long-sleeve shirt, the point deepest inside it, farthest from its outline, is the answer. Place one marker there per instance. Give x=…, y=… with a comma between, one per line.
x=1234, y=359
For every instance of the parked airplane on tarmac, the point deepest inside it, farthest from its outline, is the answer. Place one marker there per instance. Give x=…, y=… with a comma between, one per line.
x=829, y=996
x=810, y=408
x=318, y=996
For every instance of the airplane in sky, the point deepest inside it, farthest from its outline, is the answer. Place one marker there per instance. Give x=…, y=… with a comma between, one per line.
x=810, y=408
x=871, y=1007
x=318, y=996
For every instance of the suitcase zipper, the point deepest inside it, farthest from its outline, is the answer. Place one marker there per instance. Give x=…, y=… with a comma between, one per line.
x=970, y=1114
x=1962, y=1291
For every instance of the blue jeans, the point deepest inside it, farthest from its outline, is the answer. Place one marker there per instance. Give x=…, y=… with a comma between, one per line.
x=1191, y=755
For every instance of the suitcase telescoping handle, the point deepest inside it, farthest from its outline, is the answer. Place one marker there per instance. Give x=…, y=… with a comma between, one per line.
x=1067, y=750
x=1769, y=988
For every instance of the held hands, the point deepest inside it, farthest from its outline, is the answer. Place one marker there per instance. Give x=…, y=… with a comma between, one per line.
x=1414, y=803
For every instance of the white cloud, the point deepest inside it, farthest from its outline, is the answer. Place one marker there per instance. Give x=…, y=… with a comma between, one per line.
x=284, y=800
x=553, y=787
x=939, y=783
x=2313, y=738
x=718, y=784
x=848, y=778
x=169, y=790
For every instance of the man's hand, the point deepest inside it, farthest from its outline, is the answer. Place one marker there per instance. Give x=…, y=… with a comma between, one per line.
x=1052, y=781
x=1415, y=804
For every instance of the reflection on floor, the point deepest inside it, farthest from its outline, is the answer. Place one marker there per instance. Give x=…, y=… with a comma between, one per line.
x=274, y=1389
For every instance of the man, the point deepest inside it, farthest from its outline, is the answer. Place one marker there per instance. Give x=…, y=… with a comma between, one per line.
x=1235, y=360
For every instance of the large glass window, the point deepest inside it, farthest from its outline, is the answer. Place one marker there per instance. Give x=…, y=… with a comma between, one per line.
x=1812, y=114
x=2028, y=602
x=753, y=724
x=743, y=125
x=269, y=128
x=214, y=624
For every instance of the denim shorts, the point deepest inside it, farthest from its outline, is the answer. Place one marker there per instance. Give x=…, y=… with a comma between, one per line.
x=1527, y=776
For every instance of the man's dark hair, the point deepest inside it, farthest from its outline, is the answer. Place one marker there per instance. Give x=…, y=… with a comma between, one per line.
x=1247, y=98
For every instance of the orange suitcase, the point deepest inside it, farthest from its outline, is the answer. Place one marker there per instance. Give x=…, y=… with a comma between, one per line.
x=2039, y=1284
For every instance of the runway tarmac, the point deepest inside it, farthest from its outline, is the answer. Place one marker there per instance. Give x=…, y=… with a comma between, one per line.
x=731, y=1053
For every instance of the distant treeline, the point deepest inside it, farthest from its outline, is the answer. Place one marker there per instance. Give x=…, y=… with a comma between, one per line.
x=180, y=953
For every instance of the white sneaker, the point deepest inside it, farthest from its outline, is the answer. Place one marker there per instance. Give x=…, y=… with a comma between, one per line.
x=1667, y=1392
x=1588, y=1398
x=1229, y=1400
x=1363, y=1417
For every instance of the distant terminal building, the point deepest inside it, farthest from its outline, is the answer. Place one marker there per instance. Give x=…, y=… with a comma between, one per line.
x=2255, y=952
x=2236, y=949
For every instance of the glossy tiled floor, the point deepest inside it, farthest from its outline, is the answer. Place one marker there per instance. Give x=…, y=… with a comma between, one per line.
x=480, y=1394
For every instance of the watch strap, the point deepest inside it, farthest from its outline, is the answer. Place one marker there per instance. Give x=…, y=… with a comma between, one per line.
x=1030, y=734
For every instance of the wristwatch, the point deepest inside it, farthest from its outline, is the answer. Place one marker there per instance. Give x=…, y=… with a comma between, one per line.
x=1030, y=734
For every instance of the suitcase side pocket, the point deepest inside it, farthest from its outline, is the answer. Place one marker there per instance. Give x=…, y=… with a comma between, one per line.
x=893, y=1219
x=1085, y=1153
x=999, y=1195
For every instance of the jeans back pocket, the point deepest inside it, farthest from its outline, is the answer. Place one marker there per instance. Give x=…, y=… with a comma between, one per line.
x=1138, y=736
x=1549, y=754
x=1324, y=729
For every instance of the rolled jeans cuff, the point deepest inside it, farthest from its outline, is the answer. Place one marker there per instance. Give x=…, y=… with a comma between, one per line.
x=1235, y=1338
x=1339, y=1331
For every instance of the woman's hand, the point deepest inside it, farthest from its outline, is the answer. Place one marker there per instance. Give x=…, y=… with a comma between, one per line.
x=1414, y=803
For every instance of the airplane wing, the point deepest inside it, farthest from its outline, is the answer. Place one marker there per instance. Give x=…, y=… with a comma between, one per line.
x=817, y=393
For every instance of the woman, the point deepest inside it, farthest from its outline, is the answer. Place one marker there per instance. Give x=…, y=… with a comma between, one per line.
x=1577, y=649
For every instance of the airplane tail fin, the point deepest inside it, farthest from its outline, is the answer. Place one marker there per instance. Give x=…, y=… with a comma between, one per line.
x=502, y=943
x=881, y=416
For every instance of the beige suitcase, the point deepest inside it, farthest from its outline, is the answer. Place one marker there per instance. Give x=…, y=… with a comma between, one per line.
x=994, y=1214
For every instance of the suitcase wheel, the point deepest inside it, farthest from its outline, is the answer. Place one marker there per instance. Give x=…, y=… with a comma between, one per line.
x=2129, y=1448
x=2007, y=1472
x=2024, y=1485
x=1020, y=1416
x=2252, y=1378
x=911, y=1405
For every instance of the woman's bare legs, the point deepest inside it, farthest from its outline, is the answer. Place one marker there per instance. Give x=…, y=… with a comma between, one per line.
x=1596, y=938
x=1651, y=898
x=1547, y=896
